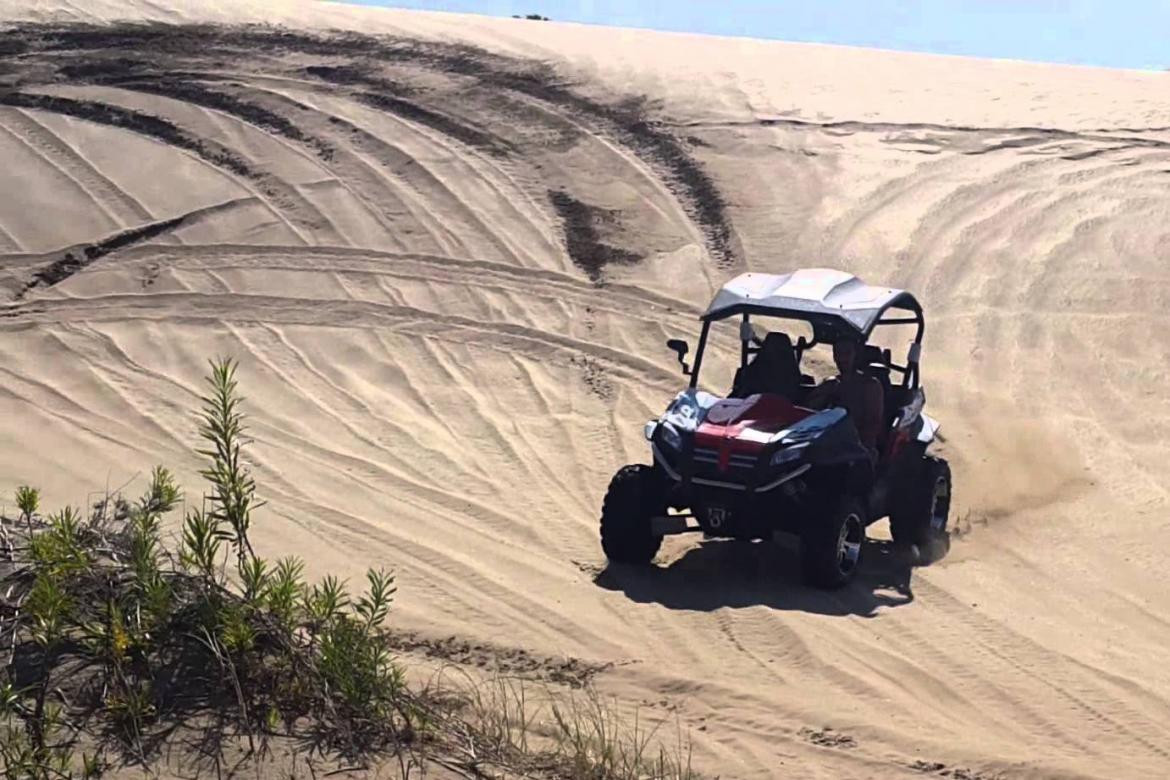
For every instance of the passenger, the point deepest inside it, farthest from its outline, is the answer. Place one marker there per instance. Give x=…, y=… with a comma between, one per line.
x=856, y=391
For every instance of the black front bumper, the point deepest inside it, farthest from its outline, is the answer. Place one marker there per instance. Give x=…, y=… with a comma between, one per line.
x=701, y=471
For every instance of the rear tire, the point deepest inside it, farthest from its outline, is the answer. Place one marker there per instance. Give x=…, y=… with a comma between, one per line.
x=920, y=518
x=636, y=494
x=831, y=545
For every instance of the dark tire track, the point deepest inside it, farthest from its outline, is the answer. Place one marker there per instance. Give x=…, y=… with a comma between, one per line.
x=584, y=243
x=629, y=122
x=391, y=96
x=136, y=122
x=60, y=270
x=297, y=210
x=193, y=92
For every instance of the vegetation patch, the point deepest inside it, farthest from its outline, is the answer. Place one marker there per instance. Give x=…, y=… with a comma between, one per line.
x=113, y=642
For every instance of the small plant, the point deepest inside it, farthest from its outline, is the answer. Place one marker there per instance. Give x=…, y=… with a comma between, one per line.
x=375, y=605
x=162, y=494
x=41, y=755
x=152, y=591
x=28, y=500
x=201, y=544
x=282, y=593
x=358, y=669
x=322, y=605
x=254, y=579
x=233, y=489
x=59, y=548
x=49, y=607
x=577, y=734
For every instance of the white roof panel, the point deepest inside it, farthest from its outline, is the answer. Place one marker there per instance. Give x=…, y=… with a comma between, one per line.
x=822, y=292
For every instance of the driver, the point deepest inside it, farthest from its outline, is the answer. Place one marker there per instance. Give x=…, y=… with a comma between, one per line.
x=856, y=391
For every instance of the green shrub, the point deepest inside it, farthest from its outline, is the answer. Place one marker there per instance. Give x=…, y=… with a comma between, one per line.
x=28, y=500
x=59, y=549
x=107, y=595
x=232, y=487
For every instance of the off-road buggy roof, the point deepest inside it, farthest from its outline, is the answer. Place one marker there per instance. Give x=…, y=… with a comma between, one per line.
x=835, y=302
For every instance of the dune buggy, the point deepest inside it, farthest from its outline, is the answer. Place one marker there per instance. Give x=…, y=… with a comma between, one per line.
x=758, y=464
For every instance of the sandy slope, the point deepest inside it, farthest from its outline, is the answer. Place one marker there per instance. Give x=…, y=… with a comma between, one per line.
x=449, y=274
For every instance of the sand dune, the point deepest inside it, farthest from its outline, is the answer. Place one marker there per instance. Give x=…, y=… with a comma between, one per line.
x=448, y=258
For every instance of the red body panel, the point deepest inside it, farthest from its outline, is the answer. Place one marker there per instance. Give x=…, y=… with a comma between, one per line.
x=742, y=426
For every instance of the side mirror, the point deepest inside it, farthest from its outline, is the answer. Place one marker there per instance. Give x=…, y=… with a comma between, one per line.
x=680, y=348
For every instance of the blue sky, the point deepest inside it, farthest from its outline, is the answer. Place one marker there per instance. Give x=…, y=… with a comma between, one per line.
x=1121, y=33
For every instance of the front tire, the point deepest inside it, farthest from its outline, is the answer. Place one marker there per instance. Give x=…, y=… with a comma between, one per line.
x=636, y=494
x=831, y=545
x=920, y=518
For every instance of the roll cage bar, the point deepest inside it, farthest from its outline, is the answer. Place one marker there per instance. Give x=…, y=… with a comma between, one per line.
x=827, y=329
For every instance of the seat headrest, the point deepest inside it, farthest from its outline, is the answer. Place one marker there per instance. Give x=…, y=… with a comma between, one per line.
x=871, y=354
x=776, y=340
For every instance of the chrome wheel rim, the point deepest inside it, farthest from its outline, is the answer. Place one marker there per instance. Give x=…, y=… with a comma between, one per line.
x=849, y=543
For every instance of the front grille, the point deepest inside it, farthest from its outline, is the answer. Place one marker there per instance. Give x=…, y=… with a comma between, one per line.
x=705, y=456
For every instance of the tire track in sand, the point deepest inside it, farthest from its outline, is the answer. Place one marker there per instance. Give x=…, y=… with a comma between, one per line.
x=107, y=195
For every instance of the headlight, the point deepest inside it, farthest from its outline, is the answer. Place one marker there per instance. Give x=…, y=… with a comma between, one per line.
x=670, y=437
x=648, y=429
x=788, y=454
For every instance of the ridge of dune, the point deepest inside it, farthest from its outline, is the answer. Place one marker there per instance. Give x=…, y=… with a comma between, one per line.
x=448, y=251
x=754, y=78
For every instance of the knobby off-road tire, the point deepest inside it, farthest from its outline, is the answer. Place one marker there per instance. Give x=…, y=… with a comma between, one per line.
x=636, y=494
x=831, y=545
x=920, y=516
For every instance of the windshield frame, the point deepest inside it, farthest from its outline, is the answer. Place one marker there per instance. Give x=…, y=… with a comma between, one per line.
x=827, y=329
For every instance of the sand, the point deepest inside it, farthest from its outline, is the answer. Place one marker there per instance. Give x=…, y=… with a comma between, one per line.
x=448, y=268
